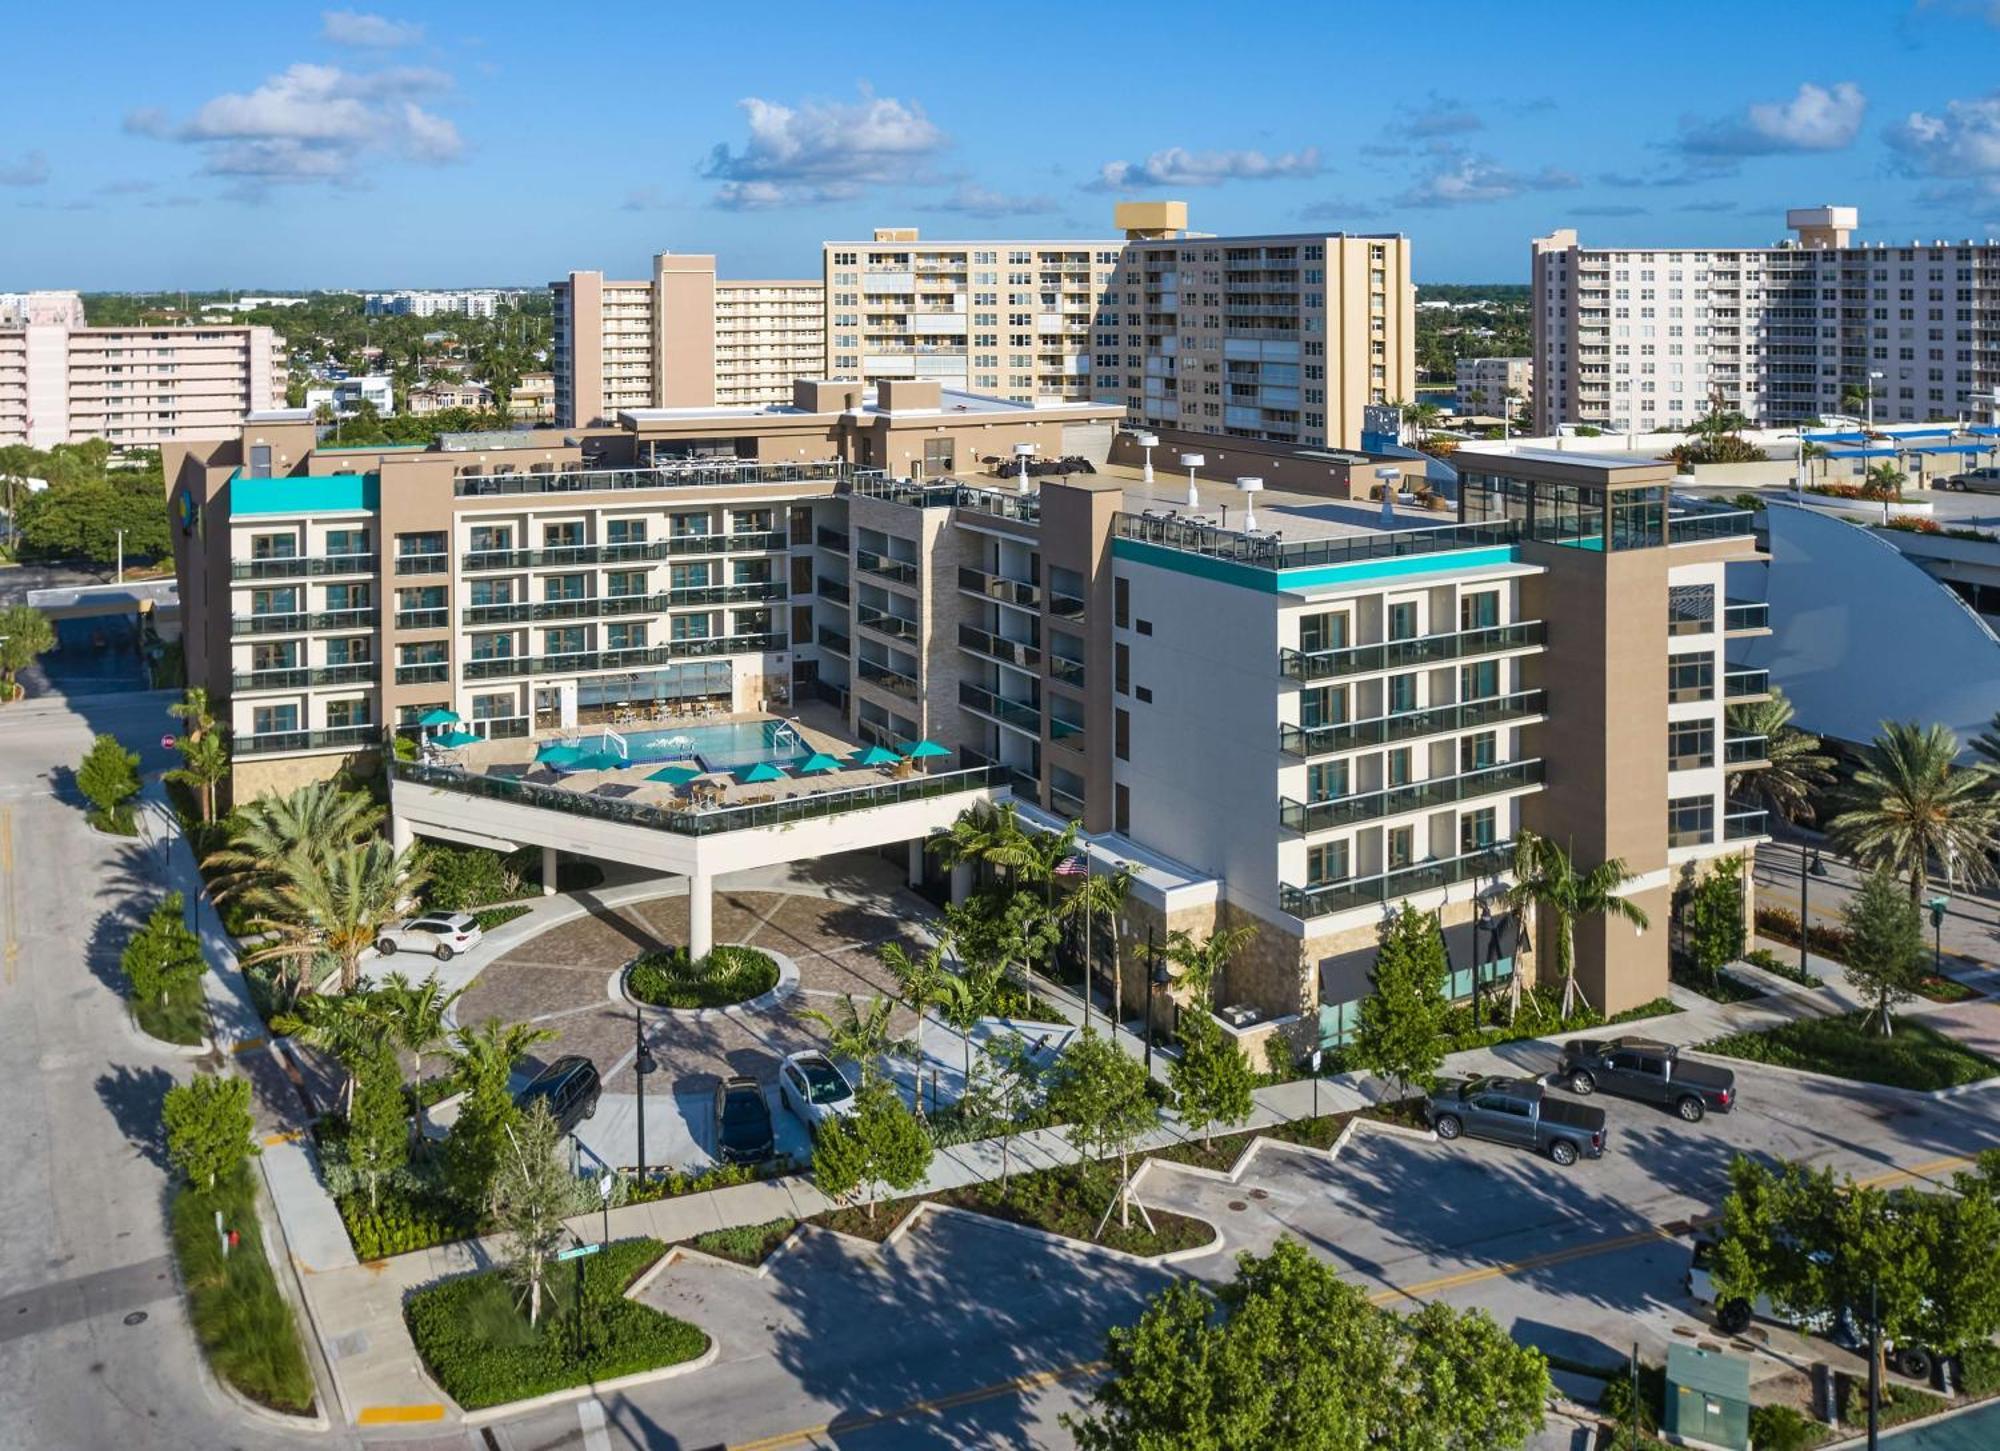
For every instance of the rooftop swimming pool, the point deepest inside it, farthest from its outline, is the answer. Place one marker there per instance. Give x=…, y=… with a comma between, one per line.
x=727, y=747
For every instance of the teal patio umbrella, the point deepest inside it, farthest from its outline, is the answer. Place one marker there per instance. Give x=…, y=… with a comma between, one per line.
x=439, y=717
x=875, y=756
x=452, y=740
x=589, y=760
x=817, y=762
x=925, y=751
x=675, y=775
x=761, y=772
x=558, y=754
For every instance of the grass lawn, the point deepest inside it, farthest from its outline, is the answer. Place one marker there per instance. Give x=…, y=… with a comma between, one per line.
x=181, y=1019
x=475, y=1339
x=727, y=975
x=1914, y=1056
x=748, y=1244
x=1225, y=1149
x=244, y=1324
x=1946, y=990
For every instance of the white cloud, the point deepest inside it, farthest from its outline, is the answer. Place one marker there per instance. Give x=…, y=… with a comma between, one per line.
x=1461, y=179
x=30, y=169
x=367, y=32
x=1439, y=117
x=1816, y=119
x=1177, y=166
x=1963, y=142
x=314, y=123
x=974, y=200
x=821, y=151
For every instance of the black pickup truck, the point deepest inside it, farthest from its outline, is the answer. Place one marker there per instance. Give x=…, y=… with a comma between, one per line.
x=1517, y=1111
x=1653, y=1072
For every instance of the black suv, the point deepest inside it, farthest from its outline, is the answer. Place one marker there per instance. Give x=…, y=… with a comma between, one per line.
x=569, y=1086
x=743, y=1132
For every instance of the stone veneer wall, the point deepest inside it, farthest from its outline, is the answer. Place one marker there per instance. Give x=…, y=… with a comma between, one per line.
x=254, y=776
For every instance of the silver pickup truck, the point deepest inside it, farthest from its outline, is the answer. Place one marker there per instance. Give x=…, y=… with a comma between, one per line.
x=1517, y=1111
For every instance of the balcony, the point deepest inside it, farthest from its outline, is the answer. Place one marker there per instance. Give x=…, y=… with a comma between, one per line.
x=832, y=589
x=989, y=646
x=1021, y=715
x=896, y=571
x=334, y=738
x=500, y=666
x=893, y=681
x=1343, y=896
x=999, y=588
x=1745, y=684
x=832, y=539
x=299, y=566
x=423, y=563
x=884, y=622
x=1746, y=617
x=830, y=639
x=1313, y=742
x=1305, y=819
x=436, y=619
x=593, y=606
x=569, y=556
x=1068, y=672
x=676, y=474
x=430, y=672
x=1746, y=750
x=1744, y=824
x=293, y=623
x=1400, y=654
x=1696, y=527
x=1065, y=607
x=300, y=678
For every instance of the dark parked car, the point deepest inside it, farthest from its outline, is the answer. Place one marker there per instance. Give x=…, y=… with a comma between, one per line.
x=1652, y=1072
x=569, y=1086
x=1517, y=1111
x=743, y=1132
x=1975, y=481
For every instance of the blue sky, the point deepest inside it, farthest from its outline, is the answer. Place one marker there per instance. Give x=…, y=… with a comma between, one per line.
x=274, y=145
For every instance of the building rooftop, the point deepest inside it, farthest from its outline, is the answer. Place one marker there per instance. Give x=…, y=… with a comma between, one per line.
x=949, y=401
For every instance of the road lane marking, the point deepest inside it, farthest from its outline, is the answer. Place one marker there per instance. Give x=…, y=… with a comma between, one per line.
x=12, y=951
x=400, y=1415
x=1669, y=1233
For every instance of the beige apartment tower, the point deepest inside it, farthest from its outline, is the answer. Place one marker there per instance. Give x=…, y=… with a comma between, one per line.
x=681, y=338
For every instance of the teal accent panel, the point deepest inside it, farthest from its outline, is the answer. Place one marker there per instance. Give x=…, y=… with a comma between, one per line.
x=1319, y=576
x=304, y=494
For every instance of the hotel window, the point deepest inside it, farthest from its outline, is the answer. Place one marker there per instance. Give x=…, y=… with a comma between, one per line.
x=485, y=537
x=271, y=720
x=1403, y=621
x=1401, y=844
x=625, y=635
x=342, y=714
x=1400, y=694
x=1121, y=601
x=352, y=650
x=1322, y=705
x=495, y=707
x=284, y=656
x=1323, y=632
x=625, y=583
x=349, y=596
x=564, y=586
x=750, y=571
x=690, y=576
x=1121, y=734
x=274, y=546
x=1121, y=807
x=563, y=536
x=487, y=592
x=750, y=521
x=1326, y=863
x=693, y=627
x=1121, y=669
x=1480, y=681
x=1396, y=767
x=625, y=531
x=1477, y=830
x=275, y=601
x=567, y=640
x=1690, y=745
x=1477, y=752
x=1691, y=821
x=1326, y=780
x=1479, y=611
x=1690, y=678
x=684, y=526
x=347, y=541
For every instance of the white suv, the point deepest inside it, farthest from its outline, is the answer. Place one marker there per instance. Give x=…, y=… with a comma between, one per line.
x=814, y=1089
x=442, y=934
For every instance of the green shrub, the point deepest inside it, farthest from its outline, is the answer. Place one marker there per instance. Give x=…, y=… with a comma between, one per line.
x=245, y=1325
x=673, y=1183
x=1783, y=924
x=1915, y=1057
x=747, y=1244
x=463, y=877
x=478, y=1345
x=727, y=975
x=1979, y=1371
x=1782, y=1428
x=109, y=779
x=403, y=1222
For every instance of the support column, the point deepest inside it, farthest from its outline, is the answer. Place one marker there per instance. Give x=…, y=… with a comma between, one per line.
x=551, y=870
x=701, y=915
x=916, y=862
x=401, y=838
x=961, y=883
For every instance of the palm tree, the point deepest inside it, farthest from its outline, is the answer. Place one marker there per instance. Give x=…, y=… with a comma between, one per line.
x=192, y=709
x=416, y=1013
x=860, y=1037
x=1425, y=416
x=350, y=1028
x=1987, y=743
x=272, y=832
x=483, y=1057
x=204, y=766
x=1797, y=768
x=1547, y=880
x=984, y=833
x=1203, y=963
x=1884, y=481
x=336, y=906
x=922, y=981
x=1094, y=897
x=1909, y=805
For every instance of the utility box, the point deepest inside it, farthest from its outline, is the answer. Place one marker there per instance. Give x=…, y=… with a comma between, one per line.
x=1708, y=1398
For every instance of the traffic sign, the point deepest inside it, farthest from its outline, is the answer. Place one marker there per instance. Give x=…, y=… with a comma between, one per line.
x=577, y=1252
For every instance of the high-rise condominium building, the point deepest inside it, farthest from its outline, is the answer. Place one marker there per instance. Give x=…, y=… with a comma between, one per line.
x=1638, y=339
x=1283, y=339
x=681, y=339
x=1291, y=728
x=479, y=302
x=63, y=382
x=1491, y=386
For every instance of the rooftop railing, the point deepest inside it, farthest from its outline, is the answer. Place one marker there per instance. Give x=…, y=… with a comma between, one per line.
x=690, y=474
x=1270, y=551
x=790, y=811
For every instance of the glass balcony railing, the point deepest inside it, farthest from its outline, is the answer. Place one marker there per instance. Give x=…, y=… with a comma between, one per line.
x=897, y=571
x=292, y=623
x=1353, y=892
x=1267, y=551
x=423, y=563
x=1746, y=615
x=500, y=666
x=297, y=678
x=1743, y=823
x=1306, y=818
x=296, y=567
x=677, y=474
x=1069, y=672
x=832, y=589
x=427, y=673
x=564, y=556
x=1400, y=654
x=894, y=681
x=832, y=539
x=1740, y=750
x=811, y=807
x=833, y=640
x=1382, y=730
x=885, y=622
x=1022, y=715
x=1695, y=527
x=1741, y=684
x=435, y=619
x=999, y=588
x=594, y=606
x=1018, y=653
x=336, y=737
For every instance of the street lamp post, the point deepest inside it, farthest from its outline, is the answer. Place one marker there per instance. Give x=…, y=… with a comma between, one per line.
x=1807, y=870
x=1871, y=400
x=642, y=1064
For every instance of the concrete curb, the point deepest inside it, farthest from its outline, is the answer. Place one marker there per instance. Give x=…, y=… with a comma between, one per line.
x=684, y=1251
x=189, y=1051
x=592, y=1390
x=1811, y=1076
x=787, y=985
x=1082, y=1246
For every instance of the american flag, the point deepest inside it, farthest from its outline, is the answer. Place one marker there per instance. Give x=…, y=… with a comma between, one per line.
x=1072, y=866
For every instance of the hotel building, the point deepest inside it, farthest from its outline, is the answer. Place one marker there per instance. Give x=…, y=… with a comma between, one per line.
x=681, y=339
x=1492, y=386
x=1642, y=339
x=64, y=382
x=1294, y=723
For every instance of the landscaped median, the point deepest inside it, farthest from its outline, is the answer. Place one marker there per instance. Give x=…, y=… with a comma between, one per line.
x=726, y=976
x=476, y=1342
x=1914, y=1056
x=243, y=1321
